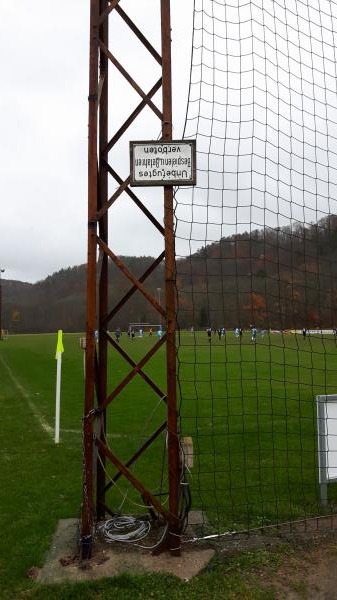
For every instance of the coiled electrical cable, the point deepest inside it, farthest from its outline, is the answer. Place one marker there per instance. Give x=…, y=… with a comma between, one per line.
x=124, y=529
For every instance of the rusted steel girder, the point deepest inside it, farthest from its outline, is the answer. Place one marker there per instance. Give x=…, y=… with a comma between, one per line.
x=102, y=219
x=97, y=397
x=87, y=504
x=172, y=415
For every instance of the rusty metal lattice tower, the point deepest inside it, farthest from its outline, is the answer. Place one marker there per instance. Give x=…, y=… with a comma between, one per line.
x=97, y=396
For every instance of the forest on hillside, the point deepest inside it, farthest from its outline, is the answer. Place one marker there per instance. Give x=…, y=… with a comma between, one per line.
x=279, y=278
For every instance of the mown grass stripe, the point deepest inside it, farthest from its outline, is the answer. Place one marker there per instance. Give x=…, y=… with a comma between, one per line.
x=43, y=423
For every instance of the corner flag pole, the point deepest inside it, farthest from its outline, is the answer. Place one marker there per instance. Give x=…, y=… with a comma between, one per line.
x=58, y=356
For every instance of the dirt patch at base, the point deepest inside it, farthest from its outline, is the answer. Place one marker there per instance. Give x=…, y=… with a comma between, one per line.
x=305, y=573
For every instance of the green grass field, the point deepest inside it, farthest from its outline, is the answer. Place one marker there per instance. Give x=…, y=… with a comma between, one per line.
x=250, y=409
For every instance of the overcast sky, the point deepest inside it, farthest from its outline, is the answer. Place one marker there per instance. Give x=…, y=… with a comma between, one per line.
x=262, y=106
x=44, y=49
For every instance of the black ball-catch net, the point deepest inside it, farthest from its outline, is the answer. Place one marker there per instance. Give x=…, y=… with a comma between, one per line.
x=256, y=265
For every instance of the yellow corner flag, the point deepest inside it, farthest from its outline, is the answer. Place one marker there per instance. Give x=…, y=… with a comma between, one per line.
x=59, y=345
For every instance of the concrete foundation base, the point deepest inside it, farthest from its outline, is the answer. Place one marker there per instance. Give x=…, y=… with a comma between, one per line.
x=108, y=560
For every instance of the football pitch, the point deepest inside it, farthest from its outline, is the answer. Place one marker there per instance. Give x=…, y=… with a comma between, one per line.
x=248, y=407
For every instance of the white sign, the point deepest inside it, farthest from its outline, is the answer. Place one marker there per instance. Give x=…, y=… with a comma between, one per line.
x=163, y=163
x=327, y=437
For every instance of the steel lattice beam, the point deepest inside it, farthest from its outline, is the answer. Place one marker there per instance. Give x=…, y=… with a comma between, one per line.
x=97, y=397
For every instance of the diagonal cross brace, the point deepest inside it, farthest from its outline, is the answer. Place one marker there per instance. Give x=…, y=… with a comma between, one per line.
x=137, y=454
x=119, y=263
x=136, y=199
x=134, y=287
x=139, y=34
x=131, y=81
x=107, y=11
x=133, y=116
x=113, y=198
x=137, y=369
x=133, y=480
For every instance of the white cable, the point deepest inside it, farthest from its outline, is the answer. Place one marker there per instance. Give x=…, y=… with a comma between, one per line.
x=124, y=529
x=157, y=543
x=141, y=433
x=118, y=529
x=120, y=491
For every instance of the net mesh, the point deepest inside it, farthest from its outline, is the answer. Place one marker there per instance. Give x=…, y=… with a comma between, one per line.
x=256, y=259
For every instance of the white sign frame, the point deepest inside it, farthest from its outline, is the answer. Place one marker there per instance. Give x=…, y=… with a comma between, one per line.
x=154, y=163
x=327, y=442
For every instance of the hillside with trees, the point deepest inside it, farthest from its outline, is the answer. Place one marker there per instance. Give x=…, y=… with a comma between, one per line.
x=279, y=278
x=59, y=301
